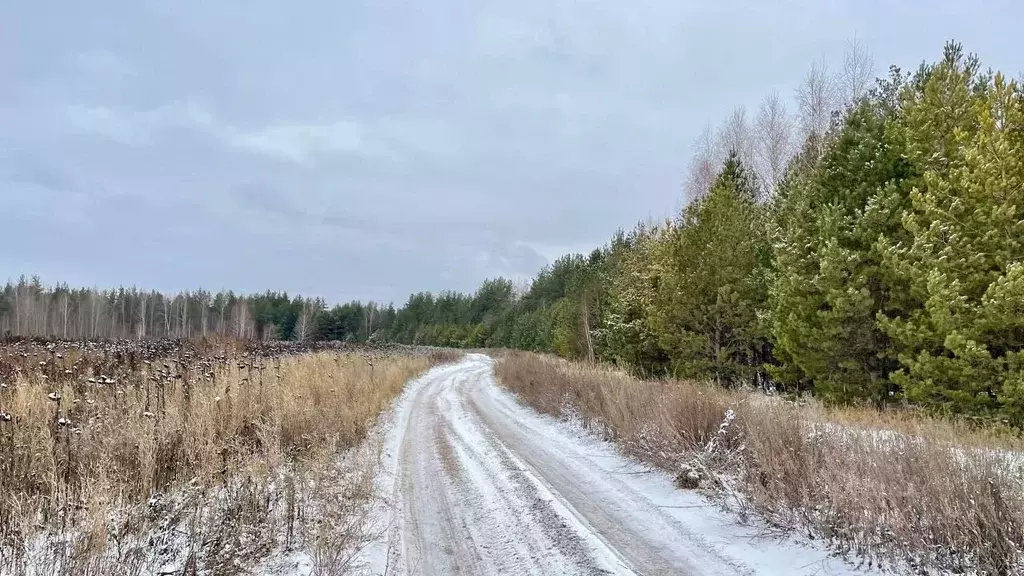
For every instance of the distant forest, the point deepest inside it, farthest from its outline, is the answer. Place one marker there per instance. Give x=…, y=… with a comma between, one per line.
x=868, y=248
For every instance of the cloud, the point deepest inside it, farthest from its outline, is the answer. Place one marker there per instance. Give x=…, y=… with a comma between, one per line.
x=512, y=259
x=386, y=140
x=300, y=143
x=103, y=65
x=135, y=127
x=108, y=123
x=262, y=198
x=28, y=169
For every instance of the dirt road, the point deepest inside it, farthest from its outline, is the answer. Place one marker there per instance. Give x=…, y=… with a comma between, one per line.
x=483, y=486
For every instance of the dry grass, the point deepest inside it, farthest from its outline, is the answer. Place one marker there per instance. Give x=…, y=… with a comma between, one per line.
x=894, y=489
x=209, y=459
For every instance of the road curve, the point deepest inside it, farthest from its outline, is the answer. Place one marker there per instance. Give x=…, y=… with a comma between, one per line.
x=482, y=489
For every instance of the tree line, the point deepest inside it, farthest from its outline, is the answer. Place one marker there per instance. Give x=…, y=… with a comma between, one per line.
x=30, y=309
x=881, y=260
x=869, y=248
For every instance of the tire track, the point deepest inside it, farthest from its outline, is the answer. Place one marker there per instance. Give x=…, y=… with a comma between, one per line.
x=486, y=487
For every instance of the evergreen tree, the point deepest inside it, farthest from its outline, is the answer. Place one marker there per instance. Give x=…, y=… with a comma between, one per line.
x=626, y=337
x=962, y=342
x=827, y=286
x=705, y=308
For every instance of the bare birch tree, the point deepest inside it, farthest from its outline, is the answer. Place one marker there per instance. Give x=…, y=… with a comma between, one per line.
x=774, y=142
x=143, y=308
x=736, y=136
x=369, y=316
x=17, y=307
x=125, y=317
x=167, y=316
x=858, y=71
x=817, y=99
x=304, y=325
x=240, y=314
x=65, y=307
x=203, y=301
x=183, y=326
x=97, y=313
x=705, y=162
x=80, y=333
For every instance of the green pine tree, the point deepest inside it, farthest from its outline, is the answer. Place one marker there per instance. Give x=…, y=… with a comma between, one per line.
x=828, y=285
x=626, y=337
x=706, y=304
x=962, y=342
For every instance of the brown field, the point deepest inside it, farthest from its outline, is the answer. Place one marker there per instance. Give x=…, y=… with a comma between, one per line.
x=896, y=488
x=124, y=457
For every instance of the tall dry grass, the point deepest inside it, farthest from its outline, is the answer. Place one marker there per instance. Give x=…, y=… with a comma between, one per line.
x=205, y=465
x=898, y=490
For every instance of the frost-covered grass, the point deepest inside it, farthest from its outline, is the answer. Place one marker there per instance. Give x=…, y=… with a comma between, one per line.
x=218, y=464
x=899, y=490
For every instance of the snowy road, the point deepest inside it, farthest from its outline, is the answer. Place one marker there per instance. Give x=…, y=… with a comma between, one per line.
x=480, y=485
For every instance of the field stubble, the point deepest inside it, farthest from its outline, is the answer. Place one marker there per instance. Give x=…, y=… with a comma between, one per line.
x=127, y=458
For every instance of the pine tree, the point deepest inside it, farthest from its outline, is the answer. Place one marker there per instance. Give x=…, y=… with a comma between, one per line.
x=962, y=343
x=625, y=336
x=828, y=287
x=705, y=312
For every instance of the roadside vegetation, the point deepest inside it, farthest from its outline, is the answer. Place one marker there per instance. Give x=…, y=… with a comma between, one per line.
x=898, y=490
x=146, y=457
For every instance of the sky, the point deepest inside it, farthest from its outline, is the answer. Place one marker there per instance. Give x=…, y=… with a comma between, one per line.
x=370, y=149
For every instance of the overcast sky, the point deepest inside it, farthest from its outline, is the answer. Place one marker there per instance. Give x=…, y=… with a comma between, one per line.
x=369, y=149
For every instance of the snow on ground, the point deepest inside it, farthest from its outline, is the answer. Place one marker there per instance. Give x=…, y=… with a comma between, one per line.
x=886, y=438
x=378, y=555
x=476, y=483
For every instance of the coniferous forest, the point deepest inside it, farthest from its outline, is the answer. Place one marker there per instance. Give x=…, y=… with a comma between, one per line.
x=870, y=249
